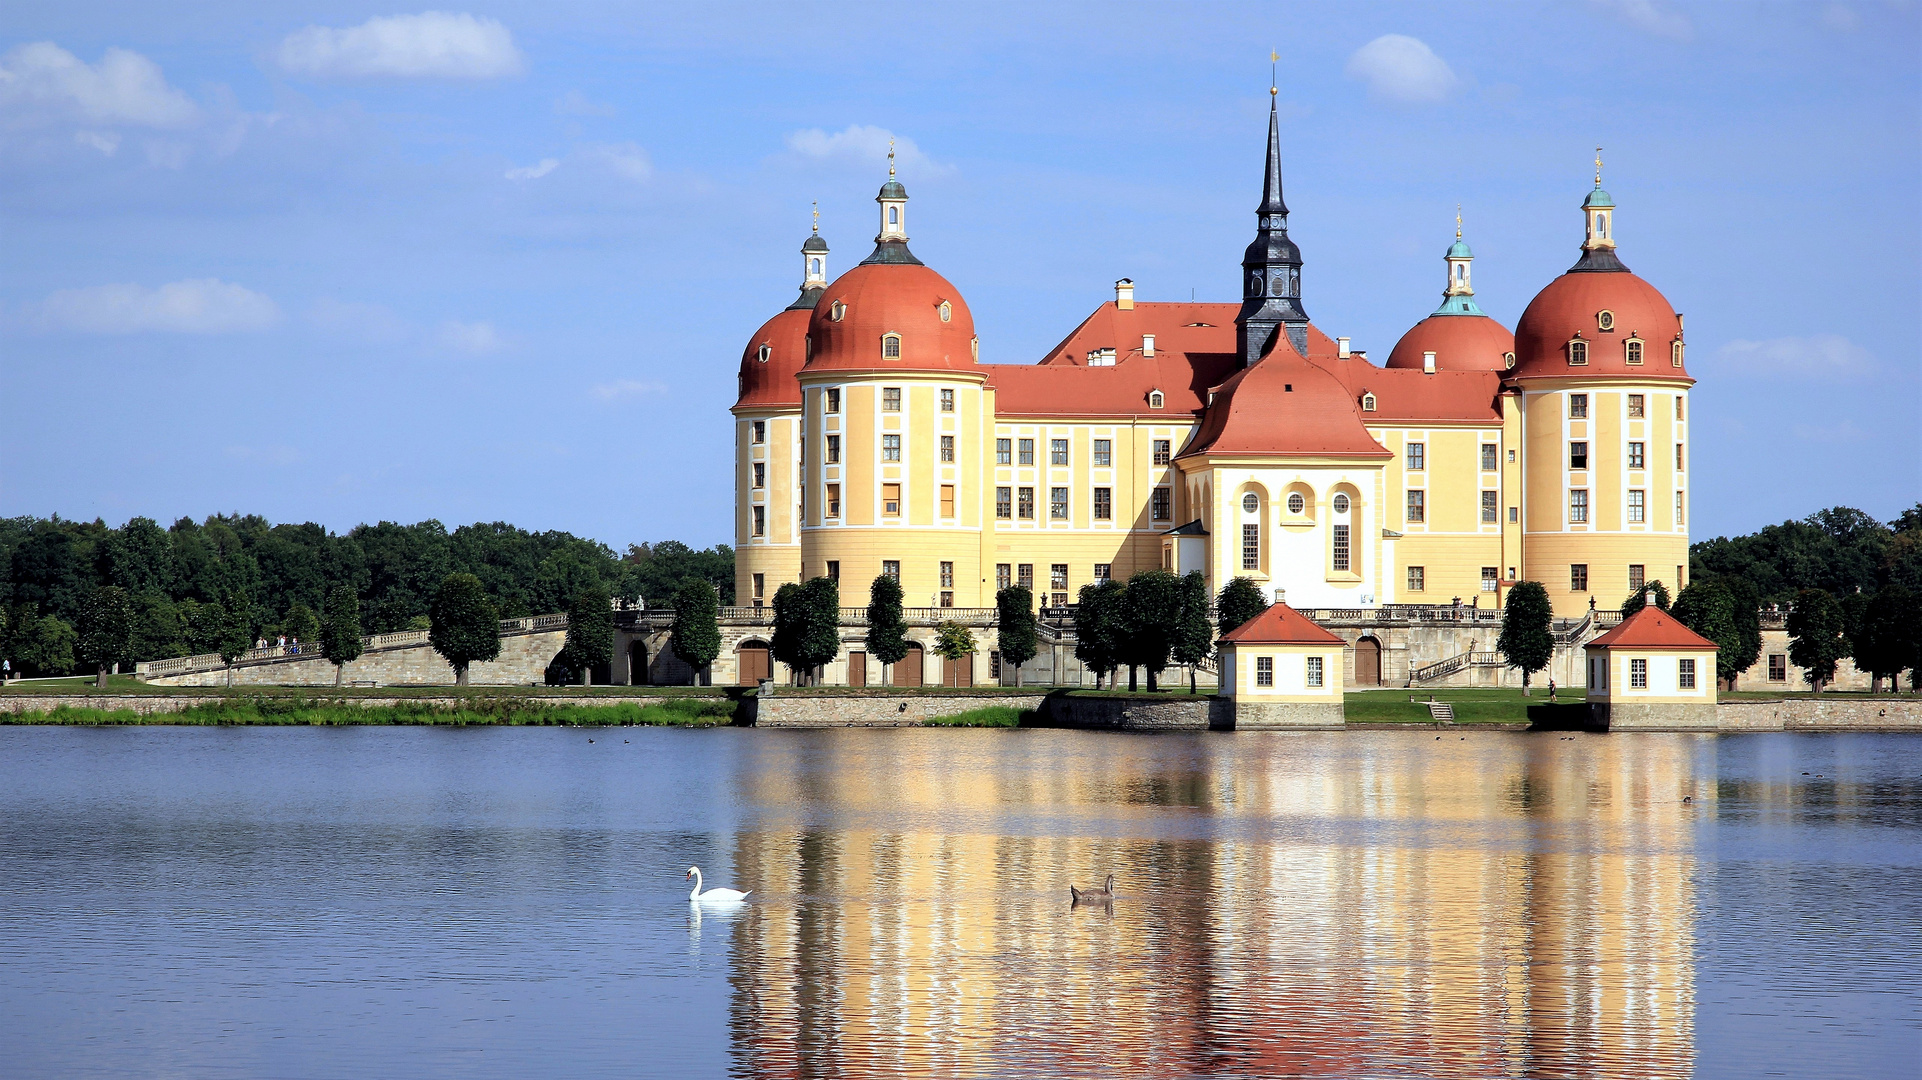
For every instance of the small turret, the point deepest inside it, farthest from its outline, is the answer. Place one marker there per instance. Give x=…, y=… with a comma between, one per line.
x=814, y=267
x=1598, y=246
x=891, y=243
x=1458, y=289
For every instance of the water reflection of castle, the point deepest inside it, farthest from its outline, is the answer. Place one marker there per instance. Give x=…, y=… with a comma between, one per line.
x=1289, y=906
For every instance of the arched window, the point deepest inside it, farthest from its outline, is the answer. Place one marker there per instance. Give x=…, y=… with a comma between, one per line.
x=1368, y=403
x=1154, y=399
x=764, y=352
x=814, y=267
x=947, y=311
x=1675, y=354
x=1601, y=225
x=1605, y=320
x=1460, y=271
x=891, y=346
x=1635, y=352
x=1296, y=504
x=894, y=215
x=837, y=311
x=1577, y=353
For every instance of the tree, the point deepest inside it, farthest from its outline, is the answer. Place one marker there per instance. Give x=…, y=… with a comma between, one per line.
x=887, y=630
x=159, y=633
x=1638, y=599
x=1099, y=628
x=44, y=645
x=696, y=637
x=953, y=641
x=236, y=630
x=590, y=632
x=105, y=634
x=464, y=625
x=785, y=643
x=1240, y=600
x=1887, y=638
x=1194, y=639
x=1855, y=606
x=1745, y=607
x=1152, y=611
x=1525, y=641
x=820, y=626
x=301, y=624
x=340, y=635
x=1015, y=628
x=1708, y=608
x=1816, y=643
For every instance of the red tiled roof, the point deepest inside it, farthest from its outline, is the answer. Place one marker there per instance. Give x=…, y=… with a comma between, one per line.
x=1571, y=304
x=1281, y=625
x=1401, y=394
x=1459, y=342
x=891, y=298
x=1284, y=406
x=1651, y=628
x=771, y=383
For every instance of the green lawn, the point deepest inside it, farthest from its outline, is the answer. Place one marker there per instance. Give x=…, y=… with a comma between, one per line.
x=991, y=716
x=1472, y=705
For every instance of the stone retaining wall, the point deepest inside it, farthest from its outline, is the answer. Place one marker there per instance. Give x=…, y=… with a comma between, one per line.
x=877, y=710
x=1820, y=714
x=1137, y=714
x=147, y=705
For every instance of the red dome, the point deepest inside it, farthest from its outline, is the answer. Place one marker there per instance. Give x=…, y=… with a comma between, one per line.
x=1573, y=303
x=1459, y=342
x=770, y=383
x=878, y=299
x=1284, y=406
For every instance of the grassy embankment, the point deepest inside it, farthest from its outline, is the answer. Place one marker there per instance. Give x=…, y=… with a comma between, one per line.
x=322, y=712
x=1472, y=705
x=1005, y=716
x=81, y=689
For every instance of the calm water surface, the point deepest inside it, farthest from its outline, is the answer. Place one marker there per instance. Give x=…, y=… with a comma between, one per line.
x=509, y=902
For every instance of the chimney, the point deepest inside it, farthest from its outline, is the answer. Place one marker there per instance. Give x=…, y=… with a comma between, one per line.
x=1428, y=363
x=1341, y=345
x=1147, y=344
x=1124, y=294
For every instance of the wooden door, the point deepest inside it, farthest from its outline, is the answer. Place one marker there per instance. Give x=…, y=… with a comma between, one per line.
x=908, y=671
x=1367, y=662
x=857, y=669
x=957, y=672
x=756, y=664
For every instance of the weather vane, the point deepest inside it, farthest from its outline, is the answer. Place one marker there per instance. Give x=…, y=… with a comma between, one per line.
x=1458, y=221
x=890, y=158
x=1598, y=166
x=817, y=217
x=1274, y=58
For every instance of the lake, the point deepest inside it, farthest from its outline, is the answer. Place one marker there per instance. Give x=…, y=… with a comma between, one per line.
x=506, y=902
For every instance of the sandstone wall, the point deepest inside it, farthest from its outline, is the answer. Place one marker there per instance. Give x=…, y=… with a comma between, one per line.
x=1821, y=714
x=905, y=710
x=148, y=705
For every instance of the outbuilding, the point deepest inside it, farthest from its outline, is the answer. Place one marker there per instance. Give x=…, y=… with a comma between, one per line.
x=1282, y=670
x=1651, y=673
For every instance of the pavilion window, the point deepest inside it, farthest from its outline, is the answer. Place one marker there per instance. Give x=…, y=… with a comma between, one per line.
x=1340, y=554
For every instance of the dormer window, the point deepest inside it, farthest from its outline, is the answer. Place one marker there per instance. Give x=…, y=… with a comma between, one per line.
x=764, y=353
x=947, y=311
x=1675, y=353
x=1508, y=359
x=1605, y=320
x=1633, y=351
x=1155, y=400
x=837, y=311
x=890, y=346
x=974, y=346
x=1368, y=403
x=1577, y=353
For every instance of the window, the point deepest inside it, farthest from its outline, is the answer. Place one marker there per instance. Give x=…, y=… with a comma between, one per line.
x=834, y=570
x=834, y=500
x=947, y=598
x=1637, y=405
x=1058, y=452
x=1417, y=578
x=1024, y=576
x=1341, y=548
x=760, y=474
x=760, y=521
x=1264, y=671
x=1577, y=353
x=1514, y=514
x=1102, y=571
x=1296, y=504
x=1003, y=452
x=1635, y=455
x=1161, y=504
x=1161, y=451
x=894, y=215
x=1058, y=503
x=1003, y=575
x=1103, y=504
x=837, y=311
x=834, y=401
x=1004, y=503
x=758, y=431
x=760, y=588
x=764, y=353
x=1604, y=320
x=1578, y=456
x=1637, y=577
x=1778, y=667
x=891, y=568
x=890, y=448
x=1578, y=577
x=947, y=500
x=1058, y=576
x=1341, y=504
x=1027, y=452
x=947, y=311
x=1103, y=453
x=947, y=575
x=1637, y=506
x=1490, y=579
x=1675, y=359
x=1251, y=547
x=890, y=399
x=1314, y=671
x=1578, y=506
x=891, y=499
x=947, y=448
x=1026, y=504
x=1578, y=406
x=834, y=449
x=1490, y=512
x=1685, y=673
x=1368, y=403
x=1155, y=399
x=1417, y=456
x=1250, y=503
x=1678, y=457
x=947, y=401
x=1417, y=506
x=1681, y=513
x=1638, y=674
x=1678, y=407
x=1634, y=352
x=1491, y=459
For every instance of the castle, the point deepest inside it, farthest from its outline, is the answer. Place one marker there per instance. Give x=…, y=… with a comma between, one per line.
x=1237, y=440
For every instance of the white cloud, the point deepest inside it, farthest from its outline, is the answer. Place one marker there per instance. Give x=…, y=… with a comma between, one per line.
x=104, y=141
x=627, y=160
x=534, y=172
x=43, y=82
x=1653, y=17
x=1820, y=355
x=1402, y=69
x=863, y=144
x=628, y=388
x=431, y=45
x=476, y=337
x=197, y=306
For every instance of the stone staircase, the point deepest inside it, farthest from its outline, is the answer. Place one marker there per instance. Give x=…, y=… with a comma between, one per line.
x=1442, y=712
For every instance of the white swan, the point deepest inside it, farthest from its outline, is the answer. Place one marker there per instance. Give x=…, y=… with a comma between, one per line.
x=712, y=896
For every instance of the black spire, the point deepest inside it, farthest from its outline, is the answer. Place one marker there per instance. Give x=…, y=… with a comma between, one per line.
x=1271, y=267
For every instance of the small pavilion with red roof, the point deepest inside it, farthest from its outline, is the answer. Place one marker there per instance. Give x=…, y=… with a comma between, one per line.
x=1282, y=670
x=1651, y=673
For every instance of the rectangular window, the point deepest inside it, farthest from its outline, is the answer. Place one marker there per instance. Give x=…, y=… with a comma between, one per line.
x=1678, y=457
x=1340, y=554
x=947, y=401
x=1637, y=577
x=834, y=449
x=760, y=521
x=1637, y=506
x=947, y=448
x=1578, y=577
x=760, y=586
x=834, y=570
x=1490, y=458
x=1417, y=456
x=891, y=499
x=1417, y=579
x=1004, y=503
x=1578, y=406
x=1577, y=456
x=1578, y=506
x=1102, y=571
x=1058, y=452
x=947, y=575
x=891, y=568
x=1314, y=671
x=1491, y=513
x=1778, y=667
x=1104, y=504
x=1678, y=408
x=1638, y=674
x=1024, y=576
x=890, y=448
x=760, y=474
x=1685, y=673
x=947, y=598
x=1251, y=547
x=947, y=500
x=1637, y=406
x=994, y=664
x=1681, y=509
x=1103, y=453
x=1161, y=504
x=1161, y=452
x=1026, y=504
x=834, y=401
x=1004, y=451
x=1635, y=455
x=1264, y=671
x=1058, y=503
x=758, y=431
x=803, y=451
x=834, y=500
x=1514, y=515
x=1027, y=452
x=1491, y=579
x=1003, y=575
x=1577, y=353
x=891, y=399
x=1058, y=576
x=1634, y=353
x=1417, y=506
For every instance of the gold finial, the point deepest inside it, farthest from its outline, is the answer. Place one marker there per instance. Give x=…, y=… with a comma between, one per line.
x=817, y=217
x=890, y=157
x=1274, y=58
x=1458, y=221
x=1598, y=167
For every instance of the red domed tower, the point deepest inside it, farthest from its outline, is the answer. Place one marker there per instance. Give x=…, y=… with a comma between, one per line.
x=1458, y=336
x=1600, y=370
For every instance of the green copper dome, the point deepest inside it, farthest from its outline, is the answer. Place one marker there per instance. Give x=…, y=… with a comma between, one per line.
x=1459, y=250
x=1600, y=198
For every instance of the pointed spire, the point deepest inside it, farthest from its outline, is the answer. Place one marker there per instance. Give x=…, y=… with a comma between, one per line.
x=1271, y=267
x=1271, y=201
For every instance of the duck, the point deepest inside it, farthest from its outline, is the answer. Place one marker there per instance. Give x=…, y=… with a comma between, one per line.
x=1093, y=896
x=712, y=896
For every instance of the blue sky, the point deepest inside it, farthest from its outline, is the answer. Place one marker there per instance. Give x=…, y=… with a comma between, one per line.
x=343, y=263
